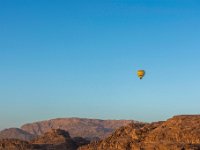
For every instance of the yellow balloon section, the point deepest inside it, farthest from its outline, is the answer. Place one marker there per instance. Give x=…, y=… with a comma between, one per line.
x=141, y=73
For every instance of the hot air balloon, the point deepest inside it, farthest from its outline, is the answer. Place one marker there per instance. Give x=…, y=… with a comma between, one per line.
x=141, y=73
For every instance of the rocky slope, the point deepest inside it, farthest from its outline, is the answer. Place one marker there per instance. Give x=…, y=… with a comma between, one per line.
x=77, y=127
x=182, y=129
x=15, y=133
x=177, y=133
x=14, y=144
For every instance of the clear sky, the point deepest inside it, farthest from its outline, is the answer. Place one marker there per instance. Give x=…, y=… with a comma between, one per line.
x=61, y=58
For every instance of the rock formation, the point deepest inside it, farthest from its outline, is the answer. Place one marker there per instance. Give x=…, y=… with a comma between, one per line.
x=14, y=144
x=177, y=133
x=55, y=139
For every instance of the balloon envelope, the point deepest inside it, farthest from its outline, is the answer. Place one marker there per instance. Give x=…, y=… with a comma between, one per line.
x=141, y=73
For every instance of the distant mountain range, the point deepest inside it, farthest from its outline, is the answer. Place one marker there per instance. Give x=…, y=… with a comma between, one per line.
x=177, y=133
x=91, y=129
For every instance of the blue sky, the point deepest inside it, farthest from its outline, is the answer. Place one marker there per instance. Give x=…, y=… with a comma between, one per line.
x=80, y=58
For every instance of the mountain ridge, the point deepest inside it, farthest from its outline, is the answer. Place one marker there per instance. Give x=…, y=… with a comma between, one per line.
x=91, y=129
x=87, y=128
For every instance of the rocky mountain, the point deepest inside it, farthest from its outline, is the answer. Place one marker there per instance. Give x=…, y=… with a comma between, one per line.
x=177, y=133
x=77, y=127
x=52, y=140
x=15, y=133
x=182, y=129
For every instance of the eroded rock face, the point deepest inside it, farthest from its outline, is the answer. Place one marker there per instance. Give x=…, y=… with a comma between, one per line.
x=177, y=133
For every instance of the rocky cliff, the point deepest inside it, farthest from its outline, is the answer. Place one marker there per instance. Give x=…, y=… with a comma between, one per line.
x=177, y=133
